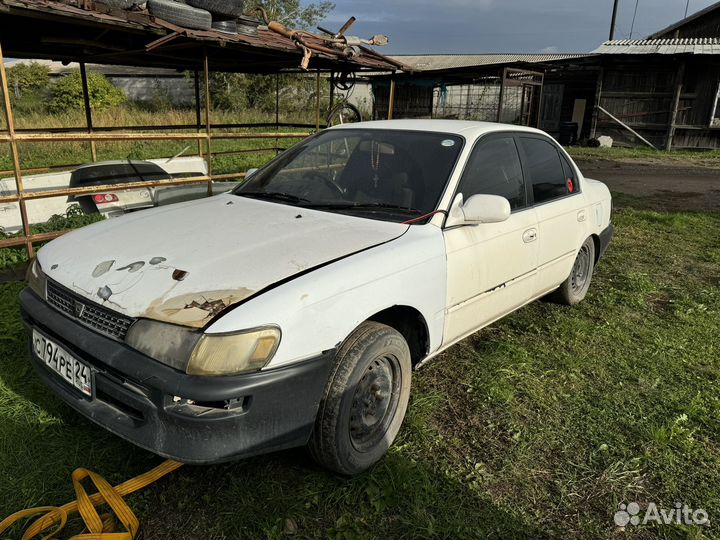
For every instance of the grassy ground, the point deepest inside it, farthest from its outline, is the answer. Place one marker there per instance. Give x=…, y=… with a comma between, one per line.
x=538, y=426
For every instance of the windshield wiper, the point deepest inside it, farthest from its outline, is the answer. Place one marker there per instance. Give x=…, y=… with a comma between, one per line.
x=272, y=195
x=365, y=206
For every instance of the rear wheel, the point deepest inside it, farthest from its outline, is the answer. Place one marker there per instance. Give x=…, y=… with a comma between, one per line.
x=365, y=400
x=575, y=287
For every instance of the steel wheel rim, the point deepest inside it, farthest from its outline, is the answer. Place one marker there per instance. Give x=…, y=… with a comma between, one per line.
x=581, y=270
x=374, y=402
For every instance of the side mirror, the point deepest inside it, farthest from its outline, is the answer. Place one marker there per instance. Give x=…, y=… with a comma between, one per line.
x=485, y=209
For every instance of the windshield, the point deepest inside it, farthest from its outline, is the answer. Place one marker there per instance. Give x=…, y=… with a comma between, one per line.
x=391, y=175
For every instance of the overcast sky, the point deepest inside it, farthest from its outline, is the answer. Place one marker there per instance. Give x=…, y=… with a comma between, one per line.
x=478, y=26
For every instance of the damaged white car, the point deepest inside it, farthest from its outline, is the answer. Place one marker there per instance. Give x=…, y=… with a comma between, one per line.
x=292, y=310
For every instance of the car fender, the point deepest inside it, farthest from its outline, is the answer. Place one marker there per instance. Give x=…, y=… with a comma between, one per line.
x=318, y=310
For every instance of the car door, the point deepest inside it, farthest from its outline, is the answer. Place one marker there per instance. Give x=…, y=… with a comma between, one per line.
x=491, y=266
x=560, y=206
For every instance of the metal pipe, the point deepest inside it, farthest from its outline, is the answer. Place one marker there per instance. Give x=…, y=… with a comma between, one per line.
x=88, y=109
x=631, y=130
x=614, y=19
x=317, y=100
x=391, y=100
x=61, y=137
x=10, y=122
x=206, y=73
x=198, y=118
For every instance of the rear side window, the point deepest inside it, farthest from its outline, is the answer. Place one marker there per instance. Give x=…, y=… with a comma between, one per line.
x=546, y=169
x=494, y=169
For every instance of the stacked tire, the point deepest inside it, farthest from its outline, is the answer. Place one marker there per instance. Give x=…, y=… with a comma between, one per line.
x=199, y=14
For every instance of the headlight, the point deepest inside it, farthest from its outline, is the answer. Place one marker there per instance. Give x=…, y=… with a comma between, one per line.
x=36, y=279
x=231, y=354
x=167, y=343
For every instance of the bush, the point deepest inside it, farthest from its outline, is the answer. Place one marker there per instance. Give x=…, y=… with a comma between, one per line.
x=28, y=84
x=68, y=94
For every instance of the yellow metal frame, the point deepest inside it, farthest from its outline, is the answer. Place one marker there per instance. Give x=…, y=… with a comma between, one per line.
x=91, y=135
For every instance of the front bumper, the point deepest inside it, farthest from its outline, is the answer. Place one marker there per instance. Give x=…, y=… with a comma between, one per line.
x=146, y=402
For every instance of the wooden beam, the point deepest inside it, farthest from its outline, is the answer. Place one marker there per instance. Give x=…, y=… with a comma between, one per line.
x=679, y=77
x=391, y=99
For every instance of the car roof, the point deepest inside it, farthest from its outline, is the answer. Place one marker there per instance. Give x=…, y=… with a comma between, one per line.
x=458, y=127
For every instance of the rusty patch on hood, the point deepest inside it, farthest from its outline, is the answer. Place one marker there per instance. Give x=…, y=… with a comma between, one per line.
x=194, y=309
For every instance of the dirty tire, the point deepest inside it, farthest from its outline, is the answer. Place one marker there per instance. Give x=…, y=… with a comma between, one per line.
x=180, y=14
x=229, y=25
x=231, y=8
x=575, y=287
x=365, y=400
x=121, y=4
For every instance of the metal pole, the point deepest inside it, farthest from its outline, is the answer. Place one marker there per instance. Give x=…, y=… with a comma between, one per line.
x=10, y=120
x=317, y=100
x=88, y=109
x=502, y=95
x=198, y=117
x=277, y=110
x=631, y=130
x=206, y=72
x=614, y=19
x=391, y=100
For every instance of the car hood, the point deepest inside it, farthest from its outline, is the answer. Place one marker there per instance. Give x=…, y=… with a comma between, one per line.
x=186, y=263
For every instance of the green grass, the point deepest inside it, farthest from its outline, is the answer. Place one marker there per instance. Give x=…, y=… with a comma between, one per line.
x=538, y=426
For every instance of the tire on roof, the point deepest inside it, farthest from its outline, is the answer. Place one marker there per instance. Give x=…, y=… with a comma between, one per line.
x=225, y=25
x=121, y=4
x=180, y=14
x=231, y=8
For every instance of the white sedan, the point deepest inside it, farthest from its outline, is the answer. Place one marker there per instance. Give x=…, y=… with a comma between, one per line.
x=292, y=310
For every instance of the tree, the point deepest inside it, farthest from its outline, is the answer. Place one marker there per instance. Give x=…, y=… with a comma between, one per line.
x=27, y=77
x=232, y=91
x=291, y=13
x=68, y=93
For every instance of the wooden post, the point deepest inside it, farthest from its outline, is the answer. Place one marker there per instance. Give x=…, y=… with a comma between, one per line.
x=679, y=77
x=198, y=116
x=502, y=95
x=317, y=100
x=88, y=109
x=206, y=72
x=391, y=100
x=10, y=120
x=596, y=108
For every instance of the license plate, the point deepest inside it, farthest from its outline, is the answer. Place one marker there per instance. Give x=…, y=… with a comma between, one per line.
x=69, y=368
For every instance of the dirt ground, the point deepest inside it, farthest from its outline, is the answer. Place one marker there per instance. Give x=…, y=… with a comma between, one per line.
x=660, y=184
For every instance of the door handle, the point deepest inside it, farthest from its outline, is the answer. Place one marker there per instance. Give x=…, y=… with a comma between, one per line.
x=581, y=216
x=529, y=236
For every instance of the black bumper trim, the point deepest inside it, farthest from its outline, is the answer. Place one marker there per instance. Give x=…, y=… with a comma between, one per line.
x=605, y=238
x=134, y=396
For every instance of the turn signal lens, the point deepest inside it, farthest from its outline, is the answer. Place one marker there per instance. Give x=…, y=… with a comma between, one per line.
x=36, y=279
x=231, y=354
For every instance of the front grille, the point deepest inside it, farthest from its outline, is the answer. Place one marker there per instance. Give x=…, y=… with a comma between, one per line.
x=96, y=317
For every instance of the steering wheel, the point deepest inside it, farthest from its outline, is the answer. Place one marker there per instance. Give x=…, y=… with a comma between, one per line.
x=327, y=181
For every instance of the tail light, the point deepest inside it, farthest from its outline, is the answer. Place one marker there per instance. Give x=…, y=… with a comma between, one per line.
x=102, y=198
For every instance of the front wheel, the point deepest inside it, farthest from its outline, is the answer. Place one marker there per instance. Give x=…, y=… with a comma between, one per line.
x=575, y=287
x=365, y=400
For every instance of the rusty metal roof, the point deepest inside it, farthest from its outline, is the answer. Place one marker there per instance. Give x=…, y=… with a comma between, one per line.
x=64, y=31
x=661, y=46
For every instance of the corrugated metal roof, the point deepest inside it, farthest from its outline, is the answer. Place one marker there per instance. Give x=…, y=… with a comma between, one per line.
x=434, y=62
x=661, y=46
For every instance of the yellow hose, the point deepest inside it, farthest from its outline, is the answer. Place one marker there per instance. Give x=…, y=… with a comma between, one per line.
x=99, y=527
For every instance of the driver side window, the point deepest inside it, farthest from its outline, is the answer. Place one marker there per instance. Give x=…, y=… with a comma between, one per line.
x=494, y=169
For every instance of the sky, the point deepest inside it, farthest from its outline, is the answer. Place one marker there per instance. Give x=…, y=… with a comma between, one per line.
x=485, y=26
